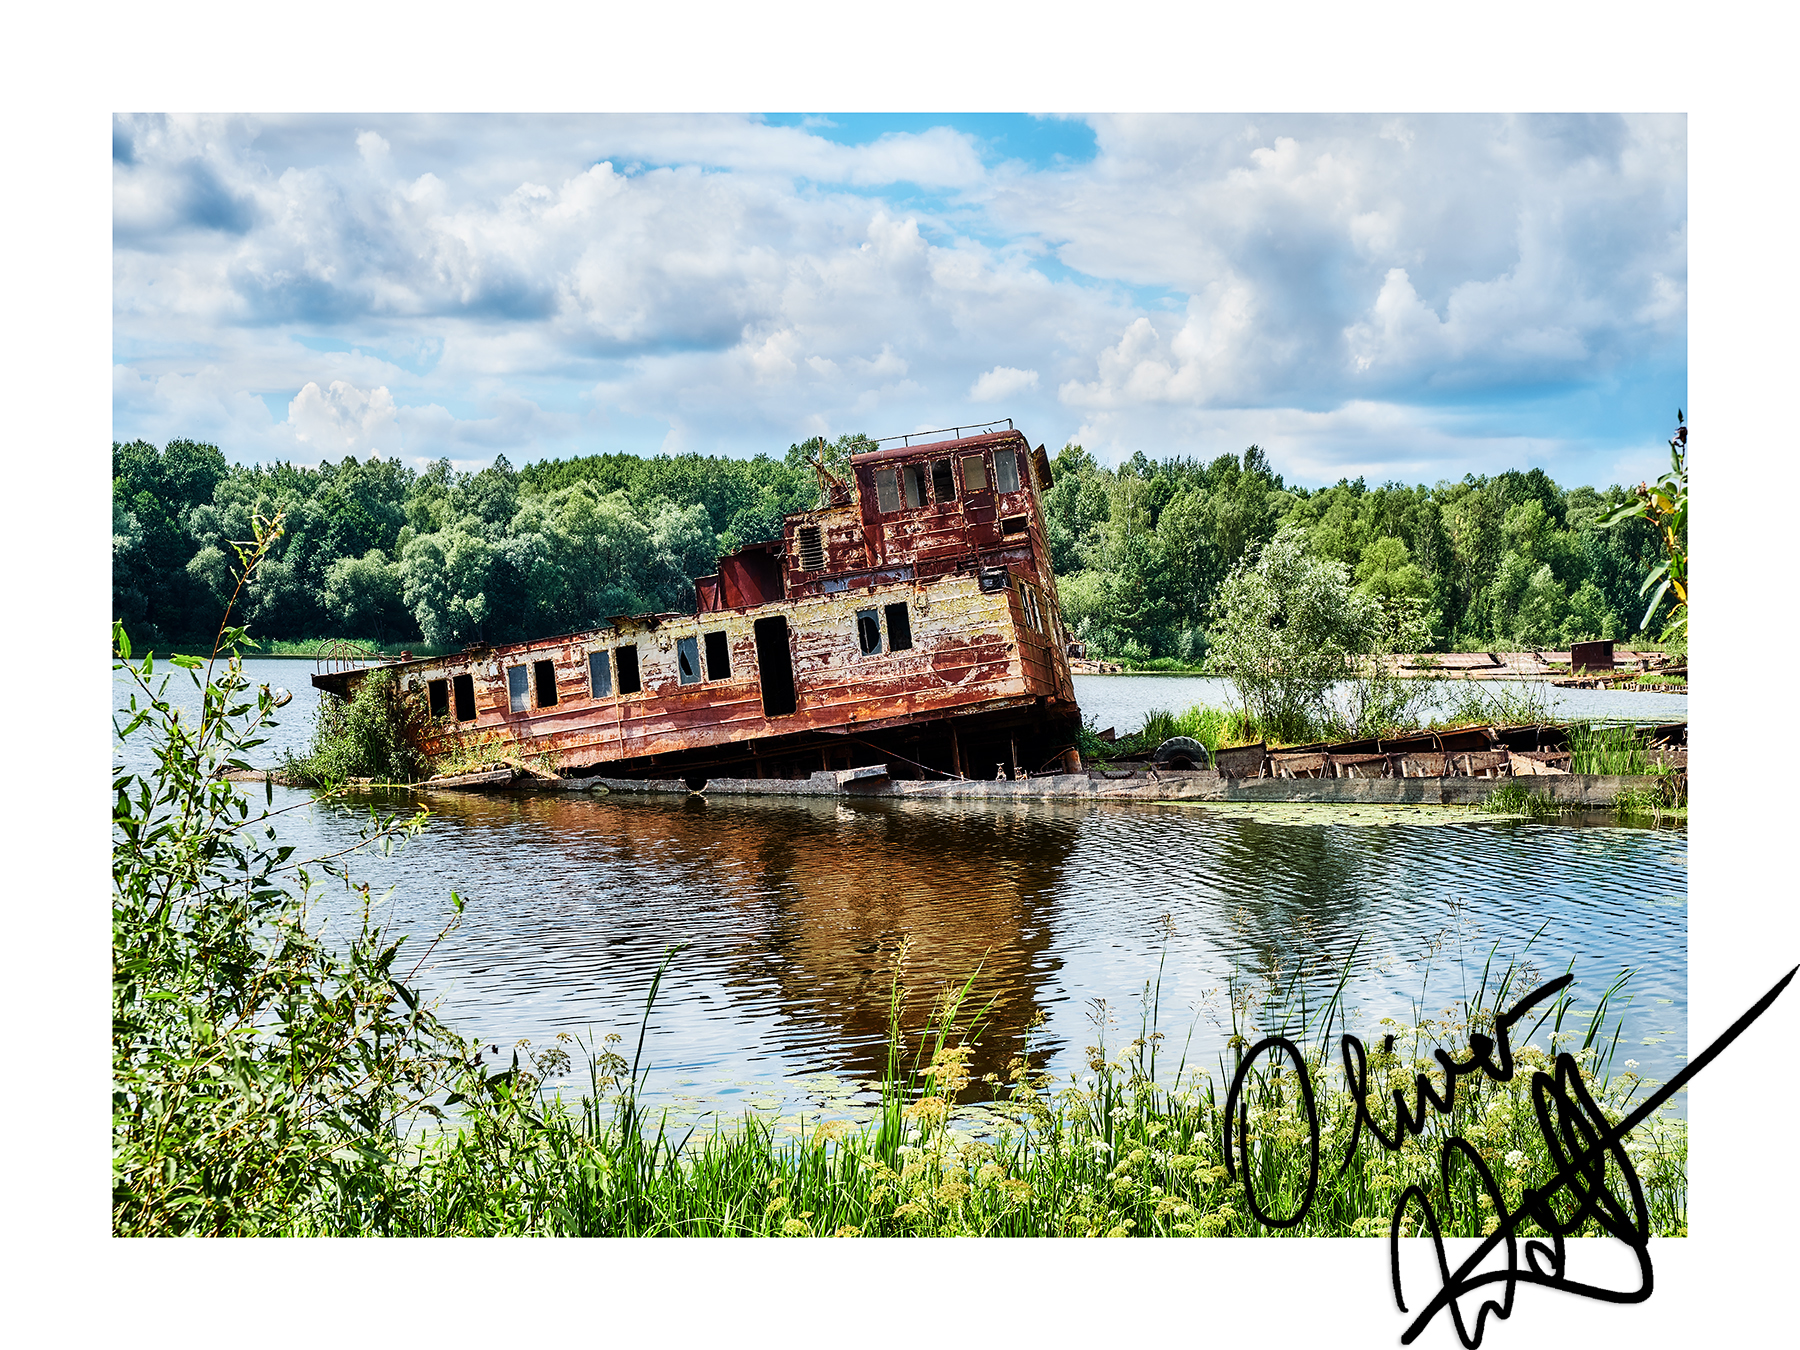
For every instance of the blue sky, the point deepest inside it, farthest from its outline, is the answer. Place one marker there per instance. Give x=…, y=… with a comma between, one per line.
x=1408, y=297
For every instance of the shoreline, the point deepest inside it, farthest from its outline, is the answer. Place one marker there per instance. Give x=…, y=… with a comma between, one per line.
x=1576, y=791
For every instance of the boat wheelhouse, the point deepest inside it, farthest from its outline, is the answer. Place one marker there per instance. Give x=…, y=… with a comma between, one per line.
x=909, y=621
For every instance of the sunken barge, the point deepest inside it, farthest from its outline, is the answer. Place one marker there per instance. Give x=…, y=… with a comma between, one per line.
x=907, y=626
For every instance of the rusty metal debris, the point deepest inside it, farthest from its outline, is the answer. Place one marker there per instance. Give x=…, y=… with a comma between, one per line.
x=1536, y=750
x=910, y=621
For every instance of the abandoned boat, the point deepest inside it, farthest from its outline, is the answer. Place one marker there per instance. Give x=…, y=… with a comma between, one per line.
x=909, y=621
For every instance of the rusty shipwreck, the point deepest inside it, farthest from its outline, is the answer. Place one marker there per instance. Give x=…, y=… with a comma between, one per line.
x=909, y=621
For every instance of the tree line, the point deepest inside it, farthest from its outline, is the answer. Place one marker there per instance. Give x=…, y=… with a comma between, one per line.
x=1512, y=561
x=375, y=550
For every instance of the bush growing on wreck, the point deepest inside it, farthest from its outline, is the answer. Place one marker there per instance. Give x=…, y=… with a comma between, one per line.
x=373, y=734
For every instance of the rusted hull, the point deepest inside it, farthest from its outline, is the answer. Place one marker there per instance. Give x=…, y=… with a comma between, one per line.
x=927, y=636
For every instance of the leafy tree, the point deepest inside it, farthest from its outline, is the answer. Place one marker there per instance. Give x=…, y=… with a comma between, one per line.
x=1589, y=616
x=365, y=595
x=1541, y=611
x=1286, y=624
x=1388, y=572
x=1664, y=507
x=444, y=578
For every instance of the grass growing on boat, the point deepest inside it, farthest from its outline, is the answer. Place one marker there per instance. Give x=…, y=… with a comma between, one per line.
x=1663, y=804
x=1596, y=748
x=1513, y=798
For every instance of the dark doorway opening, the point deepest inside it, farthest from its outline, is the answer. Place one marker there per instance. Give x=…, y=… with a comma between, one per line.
x=627, y=657
x=464, y=688
x=775, y=666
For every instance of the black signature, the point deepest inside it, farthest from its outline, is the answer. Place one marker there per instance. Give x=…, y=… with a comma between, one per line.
x=1580, y=1142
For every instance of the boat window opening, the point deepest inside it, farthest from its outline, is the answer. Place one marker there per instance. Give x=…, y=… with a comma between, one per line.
x=439, y=692
x=1032, y=614
x=913, y=477
x=718, y=656
x=899, y=627
x=545, y=673
x=1006, y=471
x=974, y=474
x=599, y=675
x=627, y=657
x=943, y=482
x=868, y=631
x=812, y=547
x=887, y=490
x=518, y=688
x=463, y=686
x=687, y=657
x=1014, y=524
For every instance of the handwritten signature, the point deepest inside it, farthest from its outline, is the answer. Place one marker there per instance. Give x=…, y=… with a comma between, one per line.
x=1581, y=1145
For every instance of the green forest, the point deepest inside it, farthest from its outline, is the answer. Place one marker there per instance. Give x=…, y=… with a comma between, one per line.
x=376, y=551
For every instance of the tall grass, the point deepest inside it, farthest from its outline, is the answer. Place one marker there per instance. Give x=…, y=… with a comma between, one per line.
x=1212, y=727
x=1490, y=703
x=1513, y=798
x=1607, y=749
x=1128, y=1148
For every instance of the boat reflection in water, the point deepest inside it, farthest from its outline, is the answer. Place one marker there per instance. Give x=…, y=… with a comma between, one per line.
x=795, y=909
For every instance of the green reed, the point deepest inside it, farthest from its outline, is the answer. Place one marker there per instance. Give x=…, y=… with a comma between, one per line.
x=1116, y=1151
x=1596, y=748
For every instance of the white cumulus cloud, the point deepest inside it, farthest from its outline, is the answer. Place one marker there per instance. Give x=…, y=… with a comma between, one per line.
x=558, y=285
x=343, y=418
x=1002, y=382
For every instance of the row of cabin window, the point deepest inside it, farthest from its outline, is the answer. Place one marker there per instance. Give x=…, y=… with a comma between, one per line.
x=539, y=678
x=542, y=674
x=908, y=482
x=687, y=665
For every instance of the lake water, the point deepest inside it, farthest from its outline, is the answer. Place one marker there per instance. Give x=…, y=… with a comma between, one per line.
x=795, y=912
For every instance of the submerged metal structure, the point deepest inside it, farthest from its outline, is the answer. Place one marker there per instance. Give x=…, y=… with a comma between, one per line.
x=909, y=621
